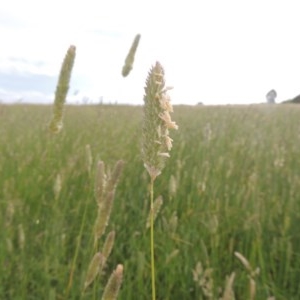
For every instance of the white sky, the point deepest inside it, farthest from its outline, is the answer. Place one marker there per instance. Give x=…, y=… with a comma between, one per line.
x=213, y=51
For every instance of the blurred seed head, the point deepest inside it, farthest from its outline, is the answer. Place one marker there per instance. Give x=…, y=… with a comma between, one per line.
x=93, y=269
x=156, y=208
x=130, y=56
x=113, y=285
x=56, y=123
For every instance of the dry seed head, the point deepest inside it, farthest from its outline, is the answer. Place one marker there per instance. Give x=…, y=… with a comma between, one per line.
x=113, y=285
x=104, y=193
x=93, y=269
x=165, y=100
x=100, y=182
x=228, y=292
x=130, y=56
x=107, y=247
x=168, y=142
x=108, y=244
x=103, y=215
x=252, y=273
x=156, y=208
x=197, y=271
x=203, y=277
x=62, y=88
x=165, y=116
x=114, y=177
x=244, y=261
x=156, y=142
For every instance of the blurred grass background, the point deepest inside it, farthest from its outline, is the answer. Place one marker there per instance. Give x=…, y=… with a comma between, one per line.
x=233, y=181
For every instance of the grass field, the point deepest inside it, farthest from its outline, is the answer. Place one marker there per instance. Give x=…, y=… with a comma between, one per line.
x=232, y=184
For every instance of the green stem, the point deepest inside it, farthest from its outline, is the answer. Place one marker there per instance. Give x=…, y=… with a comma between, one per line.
x=152, y=240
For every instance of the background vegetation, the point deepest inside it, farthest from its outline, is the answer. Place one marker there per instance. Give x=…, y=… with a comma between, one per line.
x=232, y=184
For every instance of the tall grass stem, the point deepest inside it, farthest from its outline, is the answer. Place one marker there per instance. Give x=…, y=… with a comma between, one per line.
x=152, y=239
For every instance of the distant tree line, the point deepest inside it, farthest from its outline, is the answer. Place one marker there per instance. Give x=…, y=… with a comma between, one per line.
x=294, y=100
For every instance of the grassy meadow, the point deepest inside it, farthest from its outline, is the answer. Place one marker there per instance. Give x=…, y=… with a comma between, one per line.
x=232, y=184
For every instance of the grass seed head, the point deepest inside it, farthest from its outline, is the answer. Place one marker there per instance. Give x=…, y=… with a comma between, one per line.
x=130, y=56
x=107, y=248
x=103, y=215
x=108, y=244
x=62, y=88
x=114, y=177
x=204, y=278
x=156, y=208
x=113, y=285
x=228, y=292
x=156, y=142
x=244, y=261
x=100, y=182
x=93, y=269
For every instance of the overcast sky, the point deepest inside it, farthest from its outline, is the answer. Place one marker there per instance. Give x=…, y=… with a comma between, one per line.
x=213, y=51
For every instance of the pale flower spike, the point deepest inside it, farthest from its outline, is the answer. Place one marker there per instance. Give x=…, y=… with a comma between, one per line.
x=165, y=102
x=169, y=142
x=156, y=142
x=165, y=116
